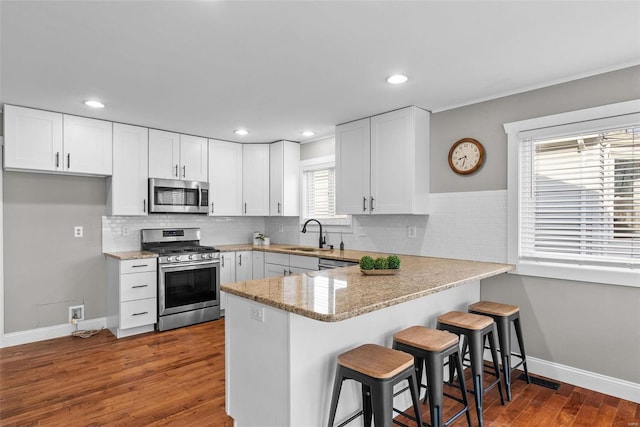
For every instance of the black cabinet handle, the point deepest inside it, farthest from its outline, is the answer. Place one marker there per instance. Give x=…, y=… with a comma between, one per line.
x=176, y=171
x=184, y=171
x=140, y=314
x=57, y=159
x=68, y=160
x=139, y=286
x=371, y=204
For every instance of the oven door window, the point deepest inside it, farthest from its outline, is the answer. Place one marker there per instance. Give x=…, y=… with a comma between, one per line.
x=185, y=286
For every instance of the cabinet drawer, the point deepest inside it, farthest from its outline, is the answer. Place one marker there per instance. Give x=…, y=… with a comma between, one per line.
x=138, y=313
x=275, y=258
x=138, y=265
x=138, y=286
x=304, y=262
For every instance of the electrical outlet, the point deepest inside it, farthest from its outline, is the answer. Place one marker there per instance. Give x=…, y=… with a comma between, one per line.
x=257, y=312
x=281, y=228
x=411, y=231
x=125, y=230
x=76, y=313
x=78, y=231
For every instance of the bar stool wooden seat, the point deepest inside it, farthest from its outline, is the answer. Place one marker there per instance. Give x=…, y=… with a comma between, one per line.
x=475, y=329
x=504, y=315
x=431, y=348
x=378, y=369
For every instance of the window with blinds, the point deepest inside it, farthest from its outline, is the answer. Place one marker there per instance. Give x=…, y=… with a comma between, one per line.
x=320, y=186
x=319, y=192
x=580, y=198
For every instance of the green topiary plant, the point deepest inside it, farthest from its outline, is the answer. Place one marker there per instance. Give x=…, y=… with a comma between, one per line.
x=380, y=263
x=366, y=263
x=394, y=262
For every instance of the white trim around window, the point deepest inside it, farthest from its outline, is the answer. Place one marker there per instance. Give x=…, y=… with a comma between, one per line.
x=315, y=164
x=610, y=116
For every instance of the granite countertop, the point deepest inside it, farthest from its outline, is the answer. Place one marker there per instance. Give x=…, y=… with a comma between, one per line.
x=123, y=256
x=343, y=293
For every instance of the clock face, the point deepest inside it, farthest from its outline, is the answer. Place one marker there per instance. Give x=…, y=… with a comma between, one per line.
x=466, y=156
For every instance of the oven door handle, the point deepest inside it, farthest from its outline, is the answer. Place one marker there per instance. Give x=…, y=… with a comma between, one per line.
x=166, y=267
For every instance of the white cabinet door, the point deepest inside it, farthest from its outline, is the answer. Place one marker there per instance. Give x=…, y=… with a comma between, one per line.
x=275, y=270
x=32, y=139
x=193, y=158
x=284, y=178
x=127, y=188
x=227, y=267
x=87, y=145
x=392, y=144
x=225, y=178
x=164, y=154
x=353, y=167
x=255, y=179
x=244, y=262
x=257, y=264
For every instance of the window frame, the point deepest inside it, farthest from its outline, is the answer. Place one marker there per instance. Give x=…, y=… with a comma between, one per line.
x=558, y=125
x=315, y=164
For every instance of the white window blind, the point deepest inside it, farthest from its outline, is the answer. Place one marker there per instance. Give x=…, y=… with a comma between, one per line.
x=320, y=191
x=580, y=198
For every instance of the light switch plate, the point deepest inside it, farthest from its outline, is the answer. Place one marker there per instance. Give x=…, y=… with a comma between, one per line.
x=411, y=231
x=78, y=231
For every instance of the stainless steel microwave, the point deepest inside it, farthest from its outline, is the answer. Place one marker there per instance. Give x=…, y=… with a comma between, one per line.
x=176, y=196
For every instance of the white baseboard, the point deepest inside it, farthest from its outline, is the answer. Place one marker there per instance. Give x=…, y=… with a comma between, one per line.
x=585, y=379
x=49, y=332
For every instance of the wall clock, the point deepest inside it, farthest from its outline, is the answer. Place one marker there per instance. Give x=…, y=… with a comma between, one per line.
x=466, y=156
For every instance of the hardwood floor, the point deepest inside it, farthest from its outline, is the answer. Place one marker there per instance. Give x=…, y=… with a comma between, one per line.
x=177, y=378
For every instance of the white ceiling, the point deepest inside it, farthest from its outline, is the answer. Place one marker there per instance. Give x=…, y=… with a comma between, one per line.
x=280, y=67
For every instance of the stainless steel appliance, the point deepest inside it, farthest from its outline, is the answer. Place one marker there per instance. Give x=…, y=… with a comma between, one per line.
x=176, y=196
x=328, y=264
x=188, y=277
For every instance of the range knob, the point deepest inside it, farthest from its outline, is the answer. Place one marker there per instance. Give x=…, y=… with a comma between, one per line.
x=191, y=257
x=176, y=259
x=206, y=256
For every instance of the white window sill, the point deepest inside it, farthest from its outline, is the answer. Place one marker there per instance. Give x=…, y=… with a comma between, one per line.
x=590, y=274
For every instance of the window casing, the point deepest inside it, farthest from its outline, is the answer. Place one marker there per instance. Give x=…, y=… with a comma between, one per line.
x=319, y=192
x=574, y=195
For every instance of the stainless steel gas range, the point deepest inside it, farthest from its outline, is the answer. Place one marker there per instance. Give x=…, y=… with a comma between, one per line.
x=188, y=277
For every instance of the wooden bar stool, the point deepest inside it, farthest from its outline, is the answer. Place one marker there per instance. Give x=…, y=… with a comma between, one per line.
x=504, y=315
x=475, y=329
x=431, y=347
x=378, y=369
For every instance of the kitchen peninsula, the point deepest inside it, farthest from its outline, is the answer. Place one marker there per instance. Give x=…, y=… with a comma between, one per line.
x=283, y=334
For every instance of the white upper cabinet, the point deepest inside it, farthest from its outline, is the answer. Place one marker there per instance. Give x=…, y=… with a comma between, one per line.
x=127, y=188
x=382, y=164
x=225, y=178
x=52, y=142
x=32, y=139
x=164, y=154
x=176, y=156
x=193, y=158
x=284, y=180
x=353, y=165
x=87, y=145
x=255, y=179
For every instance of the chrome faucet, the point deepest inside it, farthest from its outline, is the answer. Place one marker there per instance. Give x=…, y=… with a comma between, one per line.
x=321, y=241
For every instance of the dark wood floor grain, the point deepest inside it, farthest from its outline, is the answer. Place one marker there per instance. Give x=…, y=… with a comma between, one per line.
x=177, y=378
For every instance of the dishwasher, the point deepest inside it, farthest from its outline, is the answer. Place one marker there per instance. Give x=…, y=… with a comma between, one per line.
x=328, y=264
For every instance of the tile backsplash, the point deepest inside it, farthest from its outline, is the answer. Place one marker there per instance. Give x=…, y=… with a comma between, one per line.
x=466, y=225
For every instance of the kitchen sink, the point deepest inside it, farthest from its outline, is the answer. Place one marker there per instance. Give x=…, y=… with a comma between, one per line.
x=306, y=249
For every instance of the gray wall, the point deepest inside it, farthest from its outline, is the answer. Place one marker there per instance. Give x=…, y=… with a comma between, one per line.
x=484, y=122
x=319, y=148
x=583, y=325
x=46, y=269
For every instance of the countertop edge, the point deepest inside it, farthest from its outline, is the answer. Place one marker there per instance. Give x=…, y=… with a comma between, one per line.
x=129, y=255
x=370, y=308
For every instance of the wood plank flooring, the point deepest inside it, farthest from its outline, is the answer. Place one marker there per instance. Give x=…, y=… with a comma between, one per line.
x=177, y=378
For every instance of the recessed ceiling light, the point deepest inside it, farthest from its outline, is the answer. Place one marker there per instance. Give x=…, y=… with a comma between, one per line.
x=308, y=133
x=397, y=79
x=241, y=132
x=94, y=104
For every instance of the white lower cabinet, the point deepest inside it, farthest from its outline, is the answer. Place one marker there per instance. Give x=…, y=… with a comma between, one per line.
x=257, y=264
x=276, y=264
x=132, y=289
x=227, y=274
x=244, y=270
